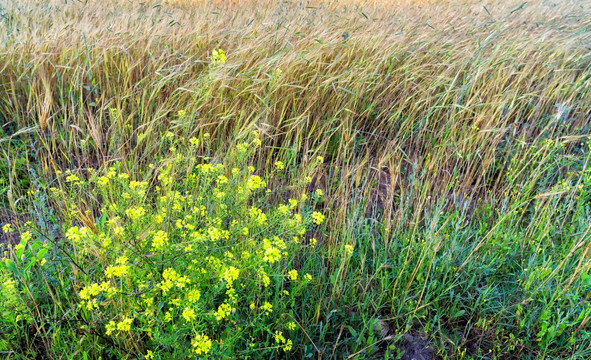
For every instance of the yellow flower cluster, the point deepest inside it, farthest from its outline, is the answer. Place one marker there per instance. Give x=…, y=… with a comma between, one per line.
x=317, y=218
x=280, y=339
x=119, y=270
x=123, y=325
x=189, y=314
x=89, y=293
x=218, y=57
x=183, y=255
x=201, y=344
x=223, y=311
x=171, y=279
x=273, y=250
x=159, y=240
x=230, y=274
x=255, y=182
x=349, y=250
x=135, y=213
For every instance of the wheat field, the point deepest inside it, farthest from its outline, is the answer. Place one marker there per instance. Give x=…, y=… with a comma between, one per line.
x=295, y=179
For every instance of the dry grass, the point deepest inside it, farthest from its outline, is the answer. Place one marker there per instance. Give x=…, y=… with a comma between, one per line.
x=478, y=109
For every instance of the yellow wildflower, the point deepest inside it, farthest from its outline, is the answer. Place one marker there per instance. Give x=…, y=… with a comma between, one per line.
x=201, y=344
x=218, y=57
x=189, y=315
x=125, y=324
x=267, y=307
x=255, y=182
x=111, y=326
x=116, y=271
x=223, y=311
x=73, y=234
x=317, y=218
x=288, y=345
x=73, y=179
x=194, y=296
x=135, y=213
x=159, y=240
x=272, y=254
x=230, y=274
x=279, y=339
x=348, y=250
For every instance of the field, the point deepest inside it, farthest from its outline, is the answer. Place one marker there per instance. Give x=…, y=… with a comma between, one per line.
x=295, y=179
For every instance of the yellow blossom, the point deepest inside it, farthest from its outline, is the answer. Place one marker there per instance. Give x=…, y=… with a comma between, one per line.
x=230, y=274
x=194, y=295
x=317, y=218
x=26, y=236
x=116, y=271
x=125, y=324
x=272, y=254
x=255, y=182
x=189, y=315
x=267, y=308
x=73, y=234
x=288, y=345
x=111, y=326
x=159, y=240
x=279, y=337
x=293, y=275
x=349, y=250
x=73, y=179
x=201, y=344
x=135, y=213
x=218, y=57
x=223, y=311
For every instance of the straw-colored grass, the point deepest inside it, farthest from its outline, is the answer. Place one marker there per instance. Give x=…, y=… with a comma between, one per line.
x=455, y=138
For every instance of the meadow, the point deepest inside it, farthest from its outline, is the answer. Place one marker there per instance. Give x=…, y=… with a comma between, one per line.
x=295, y=179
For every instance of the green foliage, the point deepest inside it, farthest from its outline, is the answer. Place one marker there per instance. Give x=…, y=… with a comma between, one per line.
x=436, y=158
x=193, y=259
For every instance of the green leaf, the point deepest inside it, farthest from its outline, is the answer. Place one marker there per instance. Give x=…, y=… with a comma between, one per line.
x=458, y=314
x=352, y=331
x=41, y=253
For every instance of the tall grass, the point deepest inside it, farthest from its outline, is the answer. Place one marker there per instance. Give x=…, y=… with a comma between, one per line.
x=455, y=137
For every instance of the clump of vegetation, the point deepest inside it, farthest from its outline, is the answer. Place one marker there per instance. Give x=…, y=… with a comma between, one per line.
x=191, y=259
x=295, y=180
